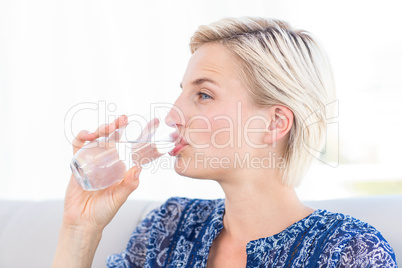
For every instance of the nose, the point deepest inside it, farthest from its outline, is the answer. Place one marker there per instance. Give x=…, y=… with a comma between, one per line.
x=176, y=114
x=180, y=112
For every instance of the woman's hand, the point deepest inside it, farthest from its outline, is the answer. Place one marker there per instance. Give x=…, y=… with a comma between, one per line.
x=95, y=209
x=86, y=213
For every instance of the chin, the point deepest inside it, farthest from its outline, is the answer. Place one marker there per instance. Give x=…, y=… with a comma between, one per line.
x=186, y=168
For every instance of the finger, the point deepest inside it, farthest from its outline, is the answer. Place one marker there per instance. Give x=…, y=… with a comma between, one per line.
x=121, y=122
x=81, y=138
x=102, y=131
x=105, y=129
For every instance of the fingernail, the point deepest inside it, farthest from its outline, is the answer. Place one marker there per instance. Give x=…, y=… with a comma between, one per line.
x=137, y=173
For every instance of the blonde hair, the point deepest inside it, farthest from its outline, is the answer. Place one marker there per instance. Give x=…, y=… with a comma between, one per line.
x=285, y=66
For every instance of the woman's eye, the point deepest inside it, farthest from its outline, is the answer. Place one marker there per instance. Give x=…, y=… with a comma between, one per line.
x=204, y=96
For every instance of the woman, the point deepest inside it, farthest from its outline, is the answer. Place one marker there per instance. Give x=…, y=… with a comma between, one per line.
x=255, y=88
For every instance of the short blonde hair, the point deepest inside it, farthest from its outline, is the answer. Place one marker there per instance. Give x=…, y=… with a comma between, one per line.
x=285, y=66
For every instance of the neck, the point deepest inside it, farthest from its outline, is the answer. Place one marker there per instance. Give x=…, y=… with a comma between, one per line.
x=258, y=205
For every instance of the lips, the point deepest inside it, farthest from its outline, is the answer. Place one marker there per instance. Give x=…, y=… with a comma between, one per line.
x=182, y=143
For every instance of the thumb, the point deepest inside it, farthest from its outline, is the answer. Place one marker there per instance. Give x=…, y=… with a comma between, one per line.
x=130, y=181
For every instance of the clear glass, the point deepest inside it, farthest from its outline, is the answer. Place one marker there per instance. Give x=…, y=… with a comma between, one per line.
x=104, y=161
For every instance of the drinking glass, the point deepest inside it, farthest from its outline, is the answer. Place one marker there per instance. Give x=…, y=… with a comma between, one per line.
x=104, y=161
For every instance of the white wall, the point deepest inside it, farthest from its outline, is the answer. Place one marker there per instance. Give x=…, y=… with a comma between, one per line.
x=55, y=55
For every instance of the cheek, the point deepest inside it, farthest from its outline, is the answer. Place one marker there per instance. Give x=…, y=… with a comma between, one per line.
x=199, y=131
x=224, y=133
x=254, y=128
x=230, y=133
x=218, y=132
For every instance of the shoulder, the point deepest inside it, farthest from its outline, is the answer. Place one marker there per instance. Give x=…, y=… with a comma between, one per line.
x=352, y=242
x=161, y=229
x=344, y=224
x=346, y=227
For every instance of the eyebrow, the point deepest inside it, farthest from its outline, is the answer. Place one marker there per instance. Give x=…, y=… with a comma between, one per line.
x=200, y=81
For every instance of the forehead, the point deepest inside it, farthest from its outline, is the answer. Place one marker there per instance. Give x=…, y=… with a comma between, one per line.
x=211, y=61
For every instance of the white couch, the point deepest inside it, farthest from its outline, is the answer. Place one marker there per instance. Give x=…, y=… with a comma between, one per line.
x=29, y=230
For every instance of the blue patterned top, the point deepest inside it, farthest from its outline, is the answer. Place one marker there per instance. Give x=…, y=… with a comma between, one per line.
x=181, y=231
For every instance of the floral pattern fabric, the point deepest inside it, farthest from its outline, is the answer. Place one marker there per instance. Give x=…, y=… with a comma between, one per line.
x=181, y=231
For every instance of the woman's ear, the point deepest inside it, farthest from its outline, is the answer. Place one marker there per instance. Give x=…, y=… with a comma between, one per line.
x=281, y=121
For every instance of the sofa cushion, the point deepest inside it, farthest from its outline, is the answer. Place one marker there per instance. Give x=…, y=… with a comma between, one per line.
x=29, y=230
